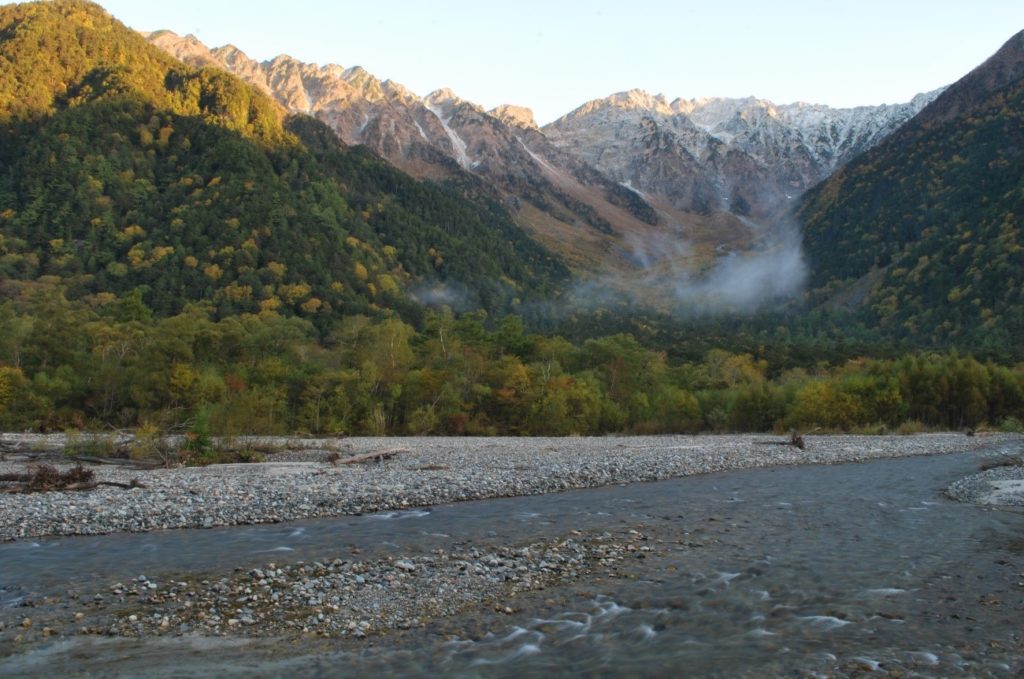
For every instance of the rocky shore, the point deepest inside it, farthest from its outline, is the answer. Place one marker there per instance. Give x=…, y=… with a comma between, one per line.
x=301, y=482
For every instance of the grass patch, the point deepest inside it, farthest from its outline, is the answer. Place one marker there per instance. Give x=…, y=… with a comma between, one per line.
x=91, y=445
x=911, y=427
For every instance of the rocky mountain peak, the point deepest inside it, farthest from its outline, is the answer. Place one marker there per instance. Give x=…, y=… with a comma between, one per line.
x=356, y=74
x=283, y=60
x=398, y=92
x=443, y=97
x=182, y=47
x=639, y=99
x=516, y=116
x=230, y=54
x=630, y=102
x=444, y=104
x=751, y=155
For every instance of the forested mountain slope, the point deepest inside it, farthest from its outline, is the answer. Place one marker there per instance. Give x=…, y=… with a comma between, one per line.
x=922, y=235
x=123, y=171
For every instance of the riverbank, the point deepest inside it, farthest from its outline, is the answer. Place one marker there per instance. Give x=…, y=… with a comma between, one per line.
x=301, y=482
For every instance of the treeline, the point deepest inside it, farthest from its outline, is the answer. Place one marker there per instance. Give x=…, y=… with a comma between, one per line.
x=90, y=365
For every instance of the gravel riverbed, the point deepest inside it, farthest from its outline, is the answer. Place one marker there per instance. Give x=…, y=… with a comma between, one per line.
x=299, y=482
x=336, y=598
x=997, y=486
x=352, y=597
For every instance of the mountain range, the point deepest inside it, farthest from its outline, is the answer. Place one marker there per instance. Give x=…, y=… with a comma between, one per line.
x=601, y=184
x=744, y=156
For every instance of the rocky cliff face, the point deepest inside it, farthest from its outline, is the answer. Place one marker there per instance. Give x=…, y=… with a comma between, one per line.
x=743, y=156
x=515, y=116
x=562, y=200
x=362, y=109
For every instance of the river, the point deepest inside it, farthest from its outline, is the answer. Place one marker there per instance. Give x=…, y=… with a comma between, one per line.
x=853, y=569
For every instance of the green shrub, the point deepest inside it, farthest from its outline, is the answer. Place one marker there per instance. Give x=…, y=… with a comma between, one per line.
x=911, y=427
x=90, y=445
x=1012, y=425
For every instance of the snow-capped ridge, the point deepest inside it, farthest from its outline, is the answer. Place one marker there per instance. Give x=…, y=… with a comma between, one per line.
x=717, y=153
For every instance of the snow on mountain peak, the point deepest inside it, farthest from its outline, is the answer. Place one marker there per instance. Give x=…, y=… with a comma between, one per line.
x=776, y=150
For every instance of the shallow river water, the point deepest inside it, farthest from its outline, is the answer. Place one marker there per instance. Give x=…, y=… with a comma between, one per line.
x=859, y=569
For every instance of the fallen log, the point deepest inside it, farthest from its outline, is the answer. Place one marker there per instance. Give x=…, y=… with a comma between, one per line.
x=134, y=483
x=378, y=456
x=118, y=461
x=795, y=439
x=26, y=487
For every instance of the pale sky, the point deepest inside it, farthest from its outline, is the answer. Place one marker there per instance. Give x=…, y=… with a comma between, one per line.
x=555, y=55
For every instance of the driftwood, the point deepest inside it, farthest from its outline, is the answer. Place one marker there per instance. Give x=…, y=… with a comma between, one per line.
x=24, y=488
x=134, y=483
x=35, y=449
x=119, y=461
x=378, y=456
x=795, y=439
x=47, y=478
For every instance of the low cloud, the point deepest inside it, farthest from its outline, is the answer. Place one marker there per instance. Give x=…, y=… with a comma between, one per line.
x=770, y=272
x=767, y=274
x=747, y=282
x=452, y=295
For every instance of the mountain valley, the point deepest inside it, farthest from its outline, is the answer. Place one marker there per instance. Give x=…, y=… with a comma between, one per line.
x=626, y=185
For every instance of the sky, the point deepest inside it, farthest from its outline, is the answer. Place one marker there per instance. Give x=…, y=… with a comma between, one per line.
x=554, y=55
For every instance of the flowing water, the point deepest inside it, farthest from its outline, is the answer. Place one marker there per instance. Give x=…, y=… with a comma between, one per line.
x=862, y=569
